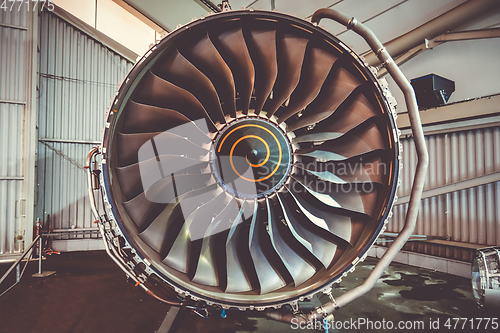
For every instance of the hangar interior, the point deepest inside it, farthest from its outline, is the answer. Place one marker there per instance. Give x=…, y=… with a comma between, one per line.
x=60, y=70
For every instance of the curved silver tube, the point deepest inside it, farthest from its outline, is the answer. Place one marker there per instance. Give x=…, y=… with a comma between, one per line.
x=421, y=149
x=115, y=258
x=111, y=250
x=94, y=151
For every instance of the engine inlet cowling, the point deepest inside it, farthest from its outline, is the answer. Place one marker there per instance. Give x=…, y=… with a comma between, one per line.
x=250, y=159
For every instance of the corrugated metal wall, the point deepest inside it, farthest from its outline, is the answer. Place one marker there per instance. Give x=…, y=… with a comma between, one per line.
x=78, y=78
x=14, y=52
x=469, y=216
x=11, y=174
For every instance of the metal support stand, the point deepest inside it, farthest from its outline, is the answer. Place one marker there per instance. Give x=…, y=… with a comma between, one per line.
x=41, y=274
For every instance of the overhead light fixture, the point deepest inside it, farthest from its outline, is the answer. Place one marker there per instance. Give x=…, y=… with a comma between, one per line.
x=432, y=90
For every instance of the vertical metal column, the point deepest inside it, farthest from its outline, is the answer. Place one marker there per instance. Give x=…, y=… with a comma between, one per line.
x=41, y=274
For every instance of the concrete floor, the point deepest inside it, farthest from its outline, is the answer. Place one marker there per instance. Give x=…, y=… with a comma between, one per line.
x=90, y=294
x=404, y=293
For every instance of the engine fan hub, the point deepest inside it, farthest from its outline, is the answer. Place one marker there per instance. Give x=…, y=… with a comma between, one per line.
x=251, y=157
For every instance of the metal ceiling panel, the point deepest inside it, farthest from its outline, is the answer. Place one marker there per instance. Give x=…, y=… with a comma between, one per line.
x=168, y=14
x=364, y=11
x=389, y=24
x=259, y=4
x=387, y=18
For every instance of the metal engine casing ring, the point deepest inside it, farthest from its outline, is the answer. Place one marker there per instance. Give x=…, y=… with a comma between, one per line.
x=117, y=220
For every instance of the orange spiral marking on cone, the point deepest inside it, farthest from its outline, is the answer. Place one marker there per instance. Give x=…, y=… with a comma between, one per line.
x=253, y=165
x=256, y=137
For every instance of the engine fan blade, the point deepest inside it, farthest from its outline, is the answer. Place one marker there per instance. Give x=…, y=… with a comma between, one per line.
x=130, y=146
x=317, y=65
x=233, y=49
x=321, y=213
x=130, y=176
x=180, y=72
x=299, y=269
x=161, y=232
x=349, y=197
x=291, y=51
x=349, y=145
x=340, y=84
x=141, y=209
x=339, y=123
x=198, y=212
x=259, y=244
x=324, y=250
x=237, y=263
x=168, y=189
x=156, y=91
x=211, y=268
x=157, y=234
x=141, y=118
x=208, y=60
x=368, y=168
x=262, y=49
